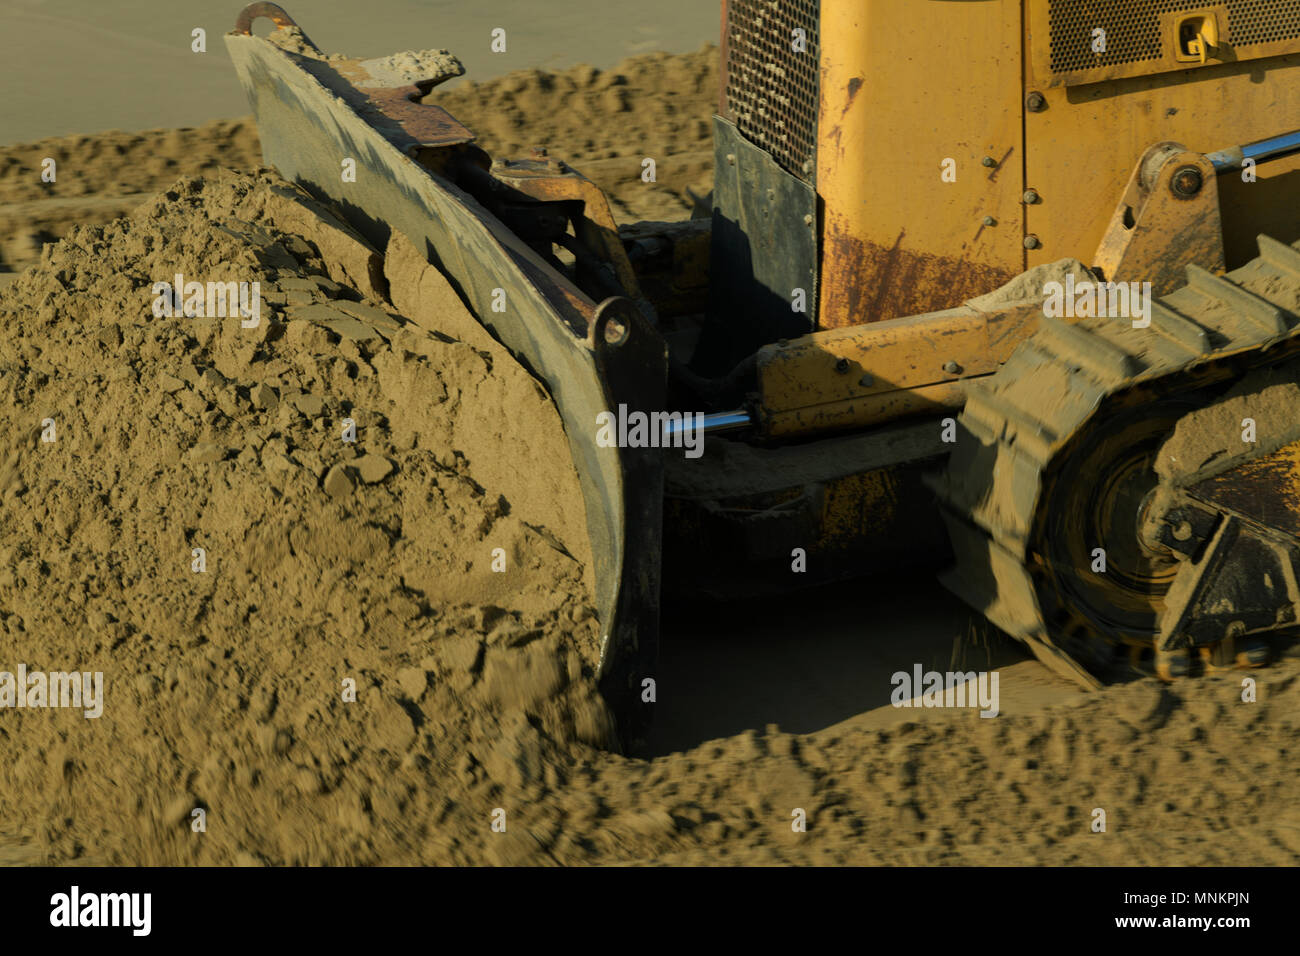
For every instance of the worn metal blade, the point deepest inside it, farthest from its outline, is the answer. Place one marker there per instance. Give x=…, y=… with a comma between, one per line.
x=307, y=129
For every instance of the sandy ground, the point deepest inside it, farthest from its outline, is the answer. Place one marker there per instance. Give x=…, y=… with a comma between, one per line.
x=330, y=562
x=604, y=121
x=727, y=668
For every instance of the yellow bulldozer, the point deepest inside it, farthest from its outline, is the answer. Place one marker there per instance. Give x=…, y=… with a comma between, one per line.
x=983, y=286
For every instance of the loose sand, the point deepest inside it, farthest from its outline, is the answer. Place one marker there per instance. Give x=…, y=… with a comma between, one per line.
x=373, y=562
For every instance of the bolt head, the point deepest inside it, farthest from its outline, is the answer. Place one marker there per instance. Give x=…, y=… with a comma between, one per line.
x=989, y=161
x=1031, y=242
x=990, y=221
x=951, y=367
x=1035, y=102
x=1186, y=182
x=842, y=365
x=1031, y=196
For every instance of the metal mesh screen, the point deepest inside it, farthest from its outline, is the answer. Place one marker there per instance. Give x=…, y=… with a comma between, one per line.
x=1133, y=30
x=771, y=90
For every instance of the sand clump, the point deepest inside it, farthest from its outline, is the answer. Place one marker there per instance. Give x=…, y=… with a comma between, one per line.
x=424, y=67
x=414, y=67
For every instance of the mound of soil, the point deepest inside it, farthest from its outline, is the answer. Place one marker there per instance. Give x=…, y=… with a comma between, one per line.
x=605, y=122
x=201, y=531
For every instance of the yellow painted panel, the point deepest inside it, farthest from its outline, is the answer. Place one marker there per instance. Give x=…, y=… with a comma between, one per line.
x=1082, y=149
x=906, y=86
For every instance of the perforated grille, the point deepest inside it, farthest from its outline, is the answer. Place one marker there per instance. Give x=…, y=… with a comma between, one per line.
x=1263, y=21
x=771, y=90
x=1133, y=29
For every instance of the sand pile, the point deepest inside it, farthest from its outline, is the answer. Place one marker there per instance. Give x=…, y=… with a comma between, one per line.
x=101, y=177
x=604, y=122
x=323, y=560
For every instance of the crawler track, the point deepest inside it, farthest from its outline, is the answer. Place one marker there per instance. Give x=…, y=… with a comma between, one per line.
x=1054, y=459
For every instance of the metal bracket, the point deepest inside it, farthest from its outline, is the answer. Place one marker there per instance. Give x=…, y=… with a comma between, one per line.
x=1168, y=217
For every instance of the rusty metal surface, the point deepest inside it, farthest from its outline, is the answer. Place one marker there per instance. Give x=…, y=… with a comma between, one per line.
x=306, y=131
x=1265, y=489
x=425, y=125
x=256, y=11
x=878, y=283
x=410, y=125
x=914, y=98
x=550, y=180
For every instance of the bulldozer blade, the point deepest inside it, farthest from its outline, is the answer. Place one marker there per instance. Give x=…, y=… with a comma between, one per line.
x=312, y=115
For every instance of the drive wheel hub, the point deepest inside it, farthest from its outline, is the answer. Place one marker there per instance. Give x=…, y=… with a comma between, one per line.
x=1100, y=584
